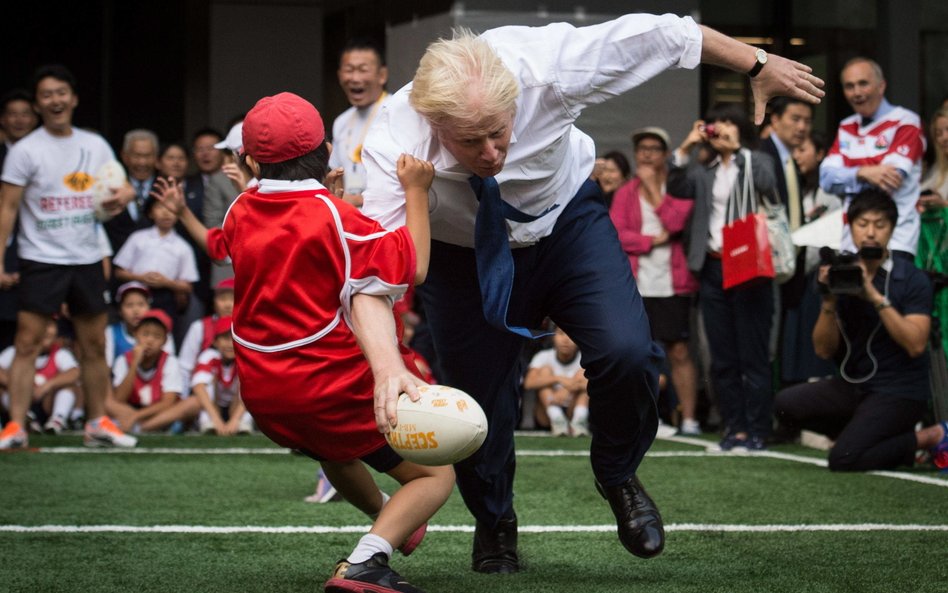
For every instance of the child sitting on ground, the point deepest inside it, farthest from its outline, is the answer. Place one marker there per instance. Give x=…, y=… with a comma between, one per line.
x=216, y=386
x=54, y=390
x=561, y=387
x=200, y=335
x=314, y=331
x=146, y=380
x=134, y=300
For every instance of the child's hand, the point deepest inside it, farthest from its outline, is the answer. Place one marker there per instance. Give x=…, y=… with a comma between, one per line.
x=415, y=173
x=238, y=178
x=388, y=386
x=169, y=193
x=334, y=182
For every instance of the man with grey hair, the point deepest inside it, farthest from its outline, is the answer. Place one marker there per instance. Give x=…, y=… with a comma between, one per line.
x=495, y=114
x=139, y=155
x=879, y=145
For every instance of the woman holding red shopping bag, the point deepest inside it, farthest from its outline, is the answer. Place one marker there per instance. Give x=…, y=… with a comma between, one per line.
x=728, y=189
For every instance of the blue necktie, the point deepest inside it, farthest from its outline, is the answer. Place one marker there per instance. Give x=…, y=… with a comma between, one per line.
x=495, y=266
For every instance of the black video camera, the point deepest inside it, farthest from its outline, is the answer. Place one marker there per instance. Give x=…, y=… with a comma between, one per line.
x=845, y=275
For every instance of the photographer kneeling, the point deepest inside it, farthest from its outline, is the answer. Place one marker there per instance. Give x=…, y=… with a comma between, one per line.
x=876, y=329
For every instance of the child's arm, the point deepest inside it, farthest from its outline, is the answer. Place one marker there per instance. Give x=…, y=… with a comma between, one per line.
x=171, y=195
x=539, y=377
x=237, y=410
x=167, y=400
x=123, y=390
x=374, y=327
x=200, y=392
x=60, y=380
x=416, y=176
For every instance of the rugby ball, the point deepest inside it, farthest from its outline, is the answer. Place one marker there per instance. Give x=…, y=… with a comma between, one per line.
x=443, y=427
x=110, y=176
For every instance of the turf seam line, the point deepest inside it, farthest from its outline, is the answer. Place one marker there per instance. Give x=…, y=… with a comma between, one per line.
x=535, y=529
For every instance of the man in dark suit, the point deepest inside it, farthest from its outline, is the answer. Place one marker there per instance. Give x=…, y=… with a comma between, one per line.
x=791, y=121
x=139, y=155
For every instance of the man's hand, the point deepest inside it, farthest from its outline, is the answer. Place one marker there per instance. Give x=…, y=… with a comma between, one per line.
x=885, y=177
x=927, y=201
x=414, y=173
x=170, y=194
x=781, y=77
x=389, y=384
x=8, y=281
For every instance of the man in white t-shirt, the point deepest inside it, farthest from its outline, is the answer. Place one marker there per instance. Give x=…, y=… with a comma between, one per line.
x=362, y=76
x=47, y=179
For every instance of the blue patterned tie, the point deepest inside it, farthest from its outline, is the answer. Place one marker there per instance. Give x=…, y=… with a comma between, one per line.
x=495, y=266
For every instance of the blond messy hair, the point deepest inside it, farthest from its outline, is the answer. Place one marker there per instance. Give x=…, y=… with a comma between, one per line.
x=461, y=82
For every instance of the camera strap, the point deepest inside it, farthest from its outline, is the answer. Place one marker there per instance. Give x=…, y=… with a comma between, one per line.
x=888, y=266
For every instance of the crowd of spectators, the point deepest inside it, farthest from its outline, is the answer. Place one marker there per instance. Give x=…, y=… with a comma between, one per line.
x=669, y=211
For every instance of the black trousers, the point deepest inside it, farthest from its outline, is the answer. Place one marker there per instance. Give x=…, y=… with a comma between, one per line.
x=872, y=431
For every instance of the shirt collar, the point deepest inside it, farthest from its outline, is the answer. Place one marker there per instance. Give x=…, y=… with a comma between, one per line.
x=274, y=186
x=884, y=108
x=782, y=151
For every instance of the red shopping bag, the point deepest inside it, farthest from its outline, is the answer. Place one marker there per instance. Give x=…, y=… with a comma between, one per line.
x=746, y=254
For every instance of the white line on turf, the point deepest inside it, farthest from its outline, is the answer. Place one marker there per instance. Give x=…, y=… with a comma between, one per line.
x=679, y=527
x=709, y=451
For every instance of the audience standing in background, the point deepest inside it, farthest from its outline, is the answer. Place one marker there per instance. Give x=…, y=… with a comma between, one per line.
x=798, y=361
x=932, y=253
x=216, y=195
x=140, y=157
x=61, y=257
x=650, y=223
x=161, y=259
x=611, y=172
x=362, y=76
x=737, y=320
x=17, y=119
x=880, y=145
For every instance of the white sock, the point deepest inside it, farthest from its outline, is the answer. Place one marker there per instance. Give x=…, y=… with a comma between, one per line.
x=385, y=499
x=63, y=403
x=555, y=413
x=580, y=414
x=369, y=546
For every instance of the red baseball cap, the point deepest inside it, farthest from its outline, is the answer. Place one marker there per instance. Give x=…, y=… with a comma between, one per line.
x=282, y=127
x=225, y=284
x=159, y=316
x=222, y=325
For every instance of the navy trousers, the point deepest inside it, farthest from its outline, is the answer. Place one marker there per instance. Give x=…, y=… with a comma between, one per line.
x=579, y=277
x=737, y=322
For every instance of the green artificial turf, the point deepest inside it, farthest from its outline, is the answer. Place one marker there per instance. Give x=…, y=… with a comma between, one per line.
x=267, y=490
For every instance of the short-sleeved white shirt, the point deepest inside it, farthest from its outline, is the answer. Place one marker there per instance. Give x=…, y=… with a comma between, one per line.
x=63, y=360
x=147, y=251
x=170, y=377
x=57, y=224
x=547, y=358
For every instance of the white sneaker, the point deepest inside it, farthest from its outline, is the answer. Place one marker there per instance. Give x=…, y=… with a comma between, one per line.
x=664, y=430
x=580, y=429
x=13, y=437
x=689, y=427
x=105, y=433
x=245, y=426
x=54, y=425
x=559, y=427
x=205, y=426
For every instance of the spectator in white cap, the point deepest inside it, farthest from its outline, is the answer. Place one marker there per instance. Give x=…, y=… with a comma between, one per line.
x=233, y=148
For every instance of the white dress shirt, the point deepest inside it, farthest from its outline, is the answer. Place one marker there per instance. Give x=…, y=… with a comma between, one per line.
x=561, y=70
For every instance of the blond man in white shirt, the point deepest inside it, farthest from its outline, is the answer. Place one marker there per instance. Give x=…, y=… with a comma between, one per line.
x=495, y=114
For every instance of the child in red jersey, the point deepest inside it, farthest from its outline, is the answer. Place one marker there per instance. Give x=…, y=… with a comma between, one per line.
x=216, y=386
x=146, y=380
x=317, y=354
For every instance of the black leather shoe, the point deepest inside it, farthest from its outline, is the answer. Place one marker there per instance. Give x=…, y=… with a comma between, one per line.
x=637, y=517
x=495, y=549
